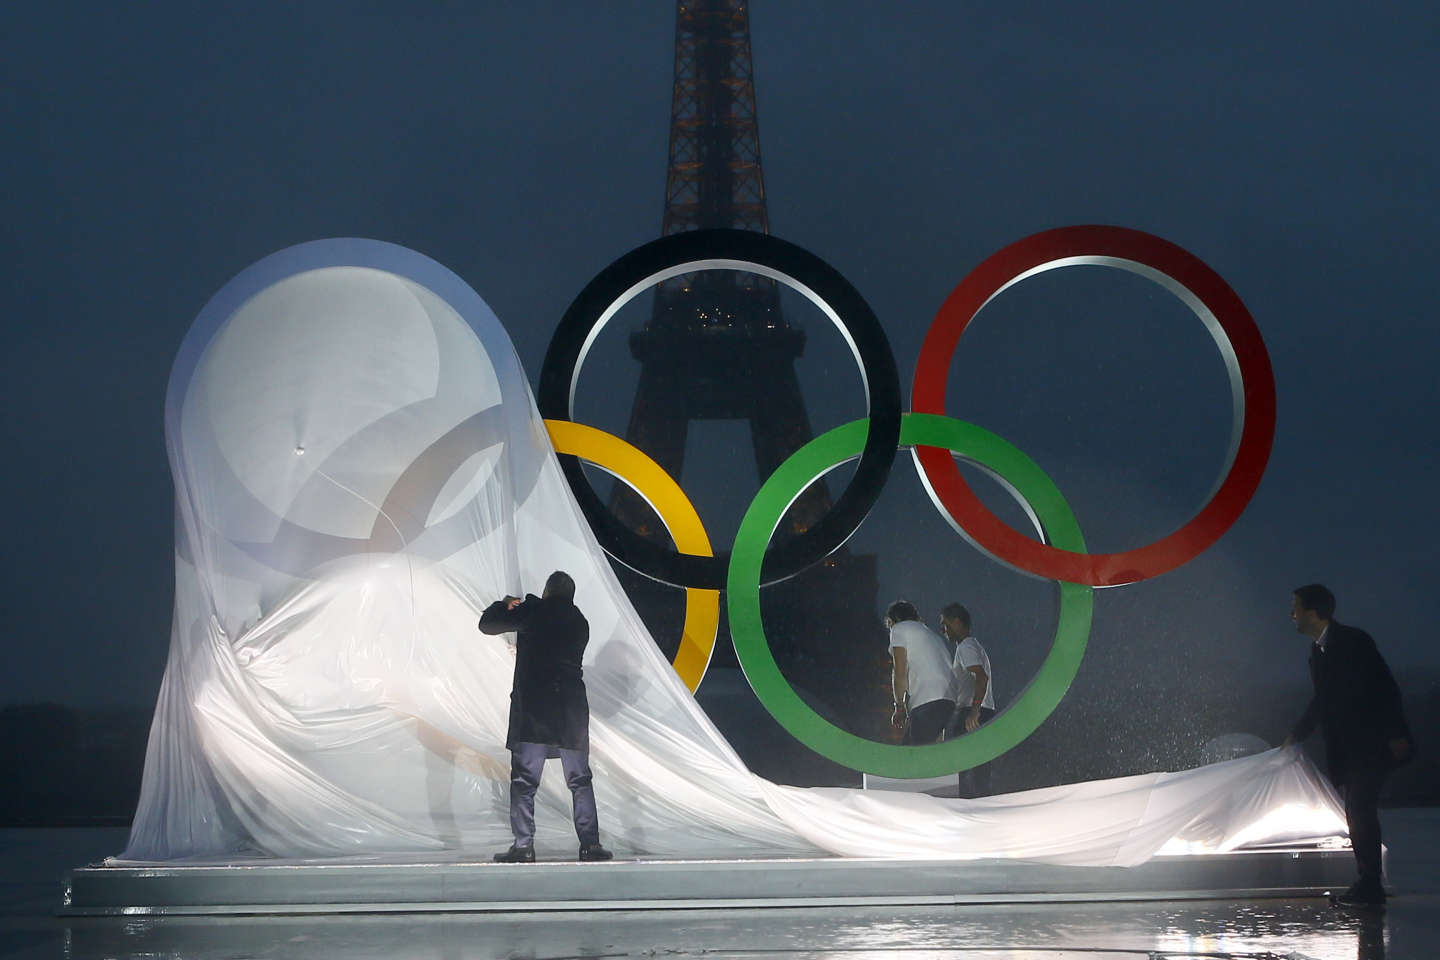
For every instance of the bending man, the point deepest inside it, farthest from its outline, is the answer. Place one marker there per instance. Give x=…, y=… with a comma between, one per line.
x=549, y=713
x=1357, y=708
x=920, y=677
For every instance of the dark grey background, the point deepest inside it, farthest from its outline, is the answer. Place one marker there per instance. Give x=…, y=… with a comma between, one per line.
x=154, y=150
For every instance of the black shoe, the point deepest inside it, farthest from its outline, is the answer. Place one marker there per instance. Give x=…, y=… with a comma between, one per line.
x=593, y=852
x=516, y=855
x=1361, y=898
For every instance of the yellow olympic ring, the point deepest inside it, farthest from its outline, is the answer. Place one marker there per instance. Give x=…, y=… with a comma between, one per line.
x=647, y=478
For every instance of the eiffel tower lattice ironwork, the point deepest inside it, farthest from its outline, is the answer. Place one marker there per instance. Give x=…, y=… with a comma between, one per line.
x=717, y=346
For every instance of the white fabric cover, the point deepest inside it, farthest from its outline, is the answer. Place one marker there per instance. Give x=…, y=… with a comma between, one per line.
x=359, y=468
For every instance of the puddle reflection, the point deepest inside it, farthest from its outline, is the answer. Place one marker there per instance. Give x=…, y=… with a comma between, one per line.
x=1296, y=928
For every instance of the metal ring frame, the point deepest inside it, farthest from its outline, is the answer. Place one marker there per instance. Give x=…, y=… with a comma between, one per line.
x=634, y=468
x=935, y=440
x=1252, y=390
x=1027, y=482
x=768, y=256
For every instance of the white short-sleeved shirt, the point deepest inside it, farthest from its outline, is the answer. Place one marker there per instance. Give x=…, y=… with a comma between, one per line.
x=969, y=654
x=928, y=676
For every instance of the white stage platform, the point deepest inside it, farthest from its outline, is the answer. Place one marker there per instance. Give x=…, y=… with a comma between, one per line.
x=112, y=889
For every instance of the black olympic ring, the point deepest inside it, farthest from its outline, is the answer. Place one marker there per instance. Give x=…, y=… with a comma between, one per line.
x=768, y=256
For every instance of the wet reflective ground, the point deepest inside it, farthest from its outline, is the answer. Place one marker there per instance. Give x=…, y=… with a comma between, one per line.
x=1215, y=929
x=34, y=860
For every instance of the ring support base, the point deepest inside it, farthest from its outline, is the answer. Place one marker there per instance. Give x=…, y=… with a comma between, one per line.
x=129, y=889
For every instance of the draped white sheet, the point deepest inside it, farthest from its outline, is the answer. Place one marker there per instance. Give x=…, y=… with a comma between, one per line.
x=359, y=469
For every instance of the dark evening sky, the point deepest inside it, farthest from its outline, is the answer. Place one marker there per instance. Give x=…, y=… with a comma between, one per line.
x=154, y=150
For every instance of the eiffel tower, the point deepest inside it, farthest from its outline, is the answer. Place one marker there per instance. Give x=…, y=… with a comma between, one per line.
x=717, y=346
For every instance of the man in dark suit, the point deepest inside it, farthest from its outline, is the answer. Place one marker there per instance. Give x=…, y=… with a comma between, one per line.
x=1357, y=708
x=549, y=713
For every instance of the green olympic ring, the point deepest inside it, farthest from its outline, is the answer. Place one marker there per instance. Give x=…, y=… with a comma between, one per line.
x=1039, y=698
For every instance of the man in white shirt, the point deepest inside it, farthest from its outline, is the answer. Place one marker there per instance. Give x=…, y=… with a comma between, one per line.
x=975, y=692
x=921, y=678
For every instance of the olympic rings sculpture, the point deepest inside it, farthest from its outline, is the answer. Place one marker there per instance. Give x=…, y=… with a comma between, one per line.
x=935, y=441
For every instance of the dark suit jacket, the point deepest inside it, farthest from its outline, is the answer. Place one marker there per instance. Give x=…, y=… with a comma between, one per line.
x=1356, y=703
x=547, y=700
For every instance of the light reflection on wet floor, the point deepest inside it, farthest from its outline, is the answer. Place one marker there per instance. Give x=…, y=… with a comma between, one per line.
x=1253, y=929
x=1270, y=929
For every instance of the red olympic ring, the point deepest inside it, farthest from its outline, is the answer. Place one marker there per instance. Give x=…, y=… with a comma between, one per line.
x=1212, y=300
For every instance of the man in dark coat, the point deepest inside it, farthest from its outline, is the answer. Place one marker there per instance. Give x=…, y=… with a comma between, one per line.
x=1357, y=708
x=549, y=713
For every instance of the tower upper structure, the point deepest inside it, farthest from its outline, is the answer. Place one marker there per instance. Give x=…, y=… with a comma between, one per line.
x=715, y=178
x=717, y=347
